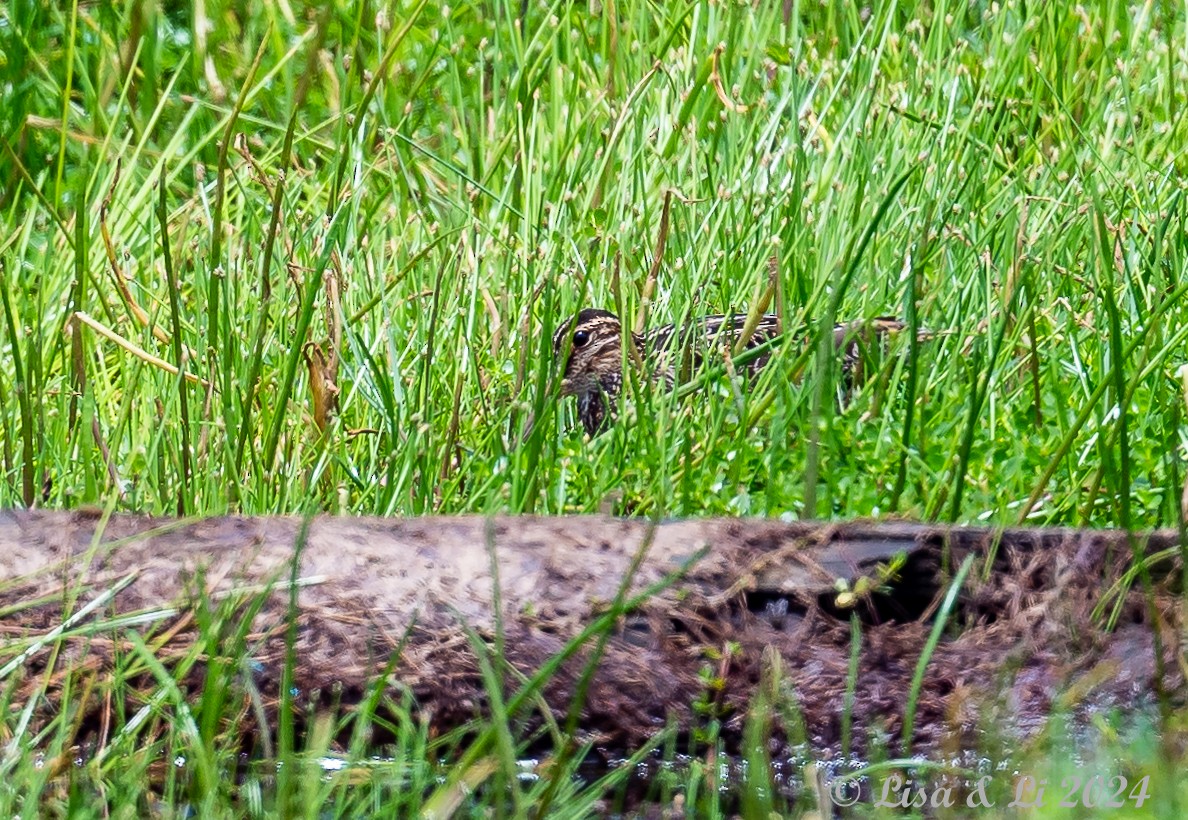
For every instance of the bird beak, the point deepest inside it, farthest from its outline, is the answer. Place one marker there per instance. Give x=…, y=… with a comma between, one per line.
x=529, y=424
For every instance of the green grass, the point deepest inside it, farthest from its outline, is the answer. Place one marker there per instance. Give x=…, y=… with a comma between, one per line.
x=464, y=183
x=422, y=193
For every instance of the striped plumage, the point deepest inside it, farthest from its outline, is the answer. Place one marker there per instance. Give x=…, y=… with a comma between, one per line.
x=594, y=369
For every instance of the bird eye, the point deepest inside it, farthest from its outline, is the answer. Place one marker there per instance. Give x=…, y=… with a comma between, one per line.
x=581, y=338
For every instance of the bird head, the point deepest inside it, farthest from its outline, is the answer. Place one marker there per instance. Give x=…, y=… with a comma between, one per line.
x=595, y=361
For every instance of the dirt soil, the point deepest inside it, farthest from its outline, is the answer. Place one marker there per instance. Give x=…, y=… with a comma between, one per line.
x=738, y=600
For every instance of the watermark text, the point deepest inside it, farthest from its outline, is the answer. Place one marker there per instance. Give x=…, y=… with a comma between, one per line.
x=1095, y=791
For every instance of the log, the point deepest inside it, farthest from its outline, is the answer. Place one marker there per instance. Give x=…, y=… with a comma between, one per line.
x=739, y=598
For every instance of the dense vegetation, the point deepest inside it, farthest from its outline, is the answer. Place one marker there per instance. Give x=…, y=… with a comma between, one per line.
x=422, y=194
x=274, y=256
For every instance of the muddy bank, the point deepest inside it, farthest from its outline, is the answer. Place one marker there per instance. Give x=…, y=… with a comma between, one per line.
x=734, y=598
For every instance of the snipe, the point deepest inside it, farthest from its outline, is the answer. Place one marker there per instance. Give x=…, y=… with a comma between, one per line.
x=594, y=369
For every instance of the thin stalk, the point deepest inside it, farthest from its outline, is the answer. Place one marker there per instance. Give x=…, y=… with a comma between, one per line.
x=185, y=496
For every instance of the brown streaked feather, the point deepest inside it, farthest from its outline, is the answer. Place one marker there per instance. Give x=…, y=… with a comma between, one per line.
x=672, y=353
x=678, y=352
